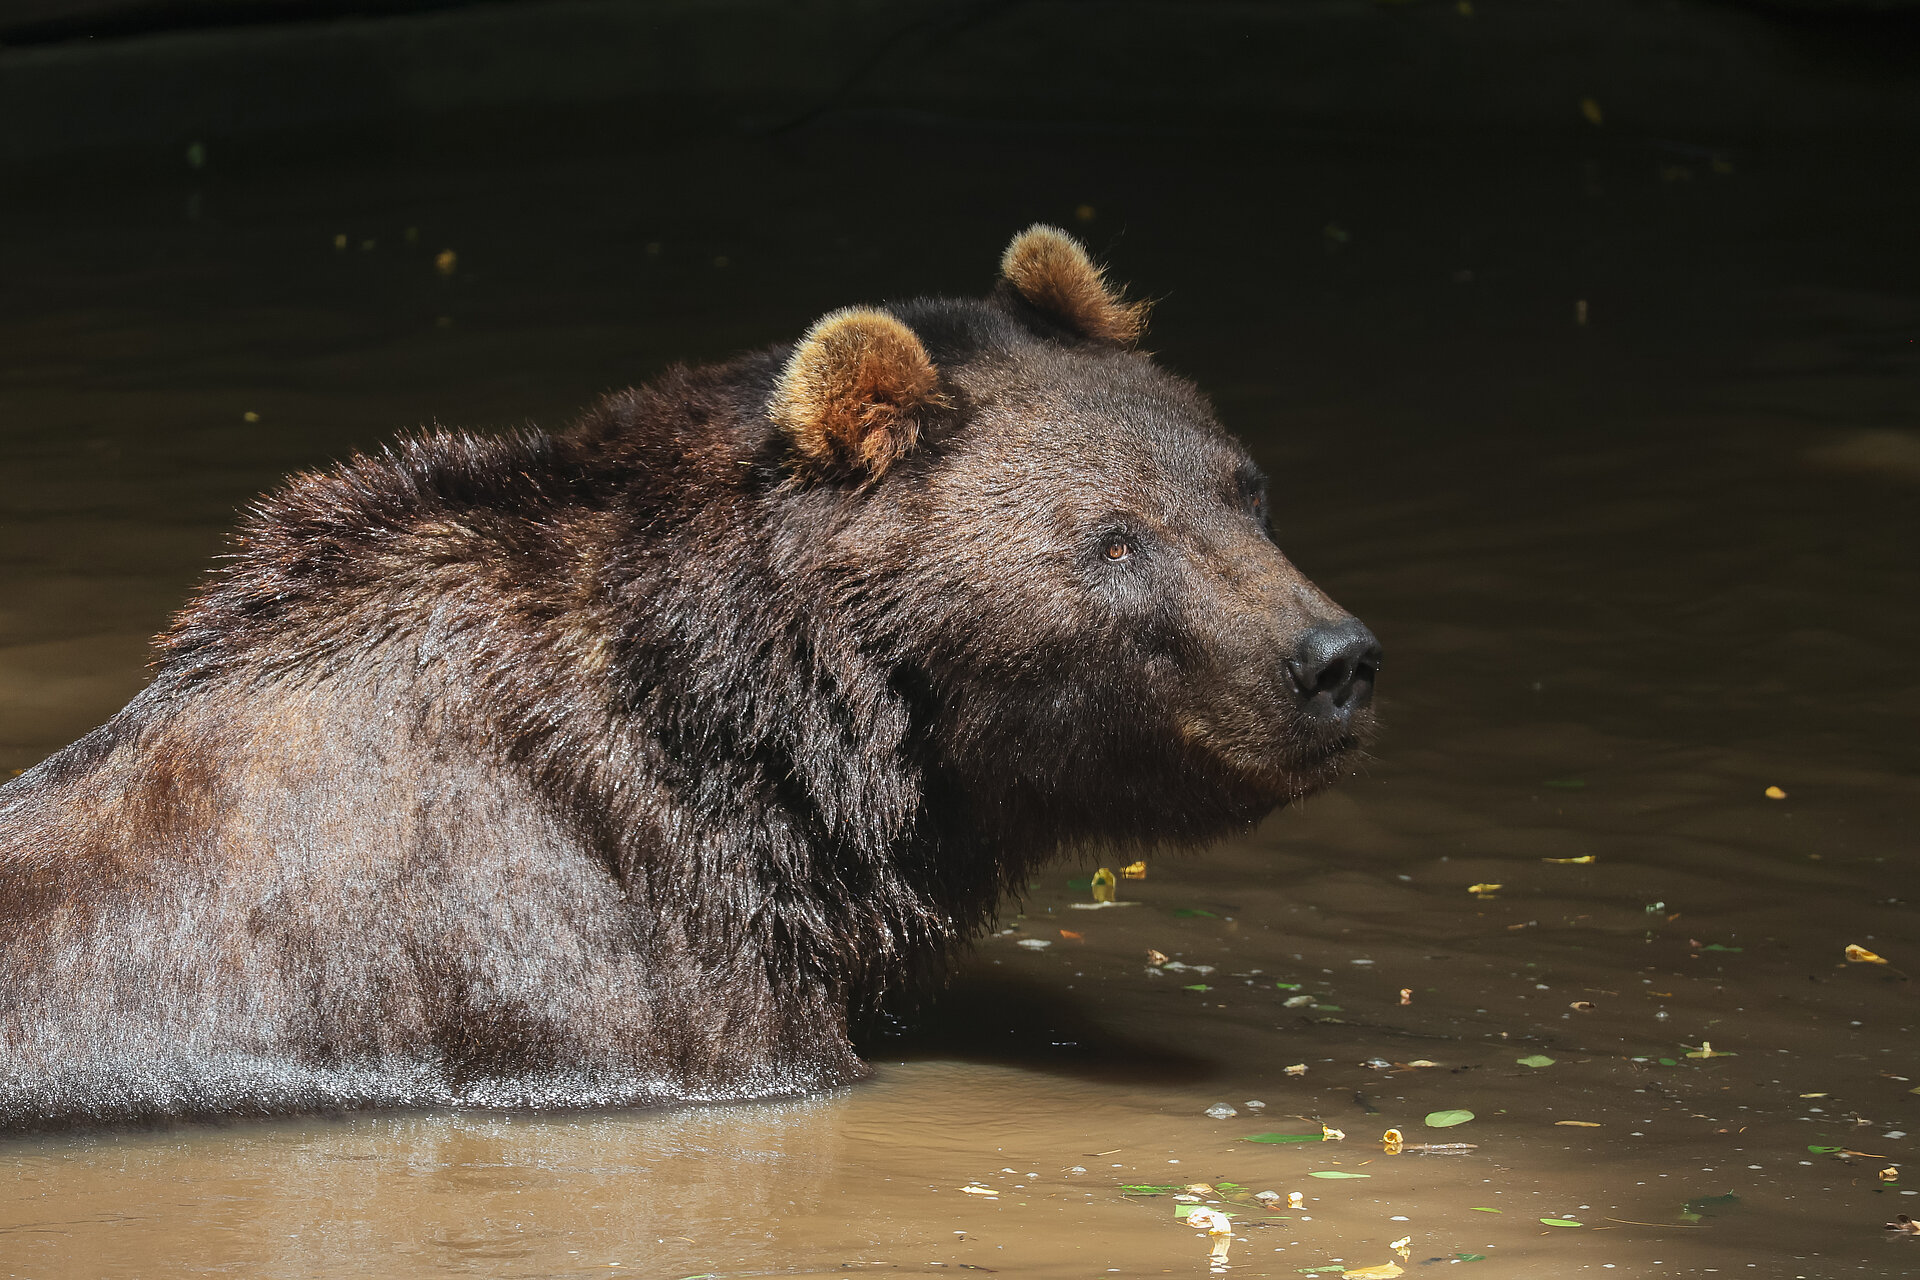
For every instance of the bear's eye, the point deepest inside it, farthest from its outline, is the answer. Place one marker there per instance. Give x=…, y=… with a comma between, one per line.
x=1118, y=549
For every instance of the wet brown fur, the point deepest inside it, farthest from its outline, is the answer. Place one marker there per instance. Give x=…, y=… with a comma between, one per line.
x=635, y=763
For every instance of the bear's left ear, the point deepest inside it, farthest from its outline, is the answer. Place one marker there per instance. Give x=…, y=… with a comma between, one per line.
x=854, y=393
x=1050, y=271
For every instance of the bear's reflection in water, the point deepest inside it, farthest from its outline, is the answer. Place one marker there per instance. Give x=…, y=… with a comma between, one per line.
x=434, y=1191
x=868, y=1174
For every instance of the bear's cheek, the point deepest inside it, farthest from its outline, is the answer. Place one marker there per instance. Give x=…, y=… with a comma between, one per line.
x=1233, y=733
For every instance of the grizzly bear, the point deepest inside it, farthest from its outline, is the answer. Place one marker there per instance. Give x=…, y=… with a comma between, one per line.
x=637, y=763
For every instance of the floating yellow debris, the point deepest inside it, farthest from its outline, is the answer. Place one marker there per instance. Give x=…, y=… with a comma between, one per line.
x=1580, y=861
x=1381, y=1272
x=1156, y=958
x=1484, y=889
x=249, y=416
x=445, y=261
x=1204, y=1219
x=1297, y=1069
x=1393, y=1140
x=1890, y=1174
x=1103, y=885
x=1134, y=871
x=1775, y=793
x=973, y=1189
x=1330, y=1134
x=1860, y=955
x=1218, y=1227
x=1580, y=1124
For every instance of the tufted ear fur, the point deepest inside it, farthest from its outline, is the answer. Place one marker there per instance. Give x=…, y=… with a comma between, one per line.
x=1051, y=271
x=854, y=393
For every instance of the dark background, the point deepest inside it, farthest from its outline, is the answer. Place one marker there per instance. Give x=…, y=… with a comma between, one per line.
x=128, y=77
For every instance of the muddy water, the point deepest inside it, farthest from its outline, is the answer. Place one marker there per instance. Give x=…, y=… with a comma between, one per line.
x=1630, y=572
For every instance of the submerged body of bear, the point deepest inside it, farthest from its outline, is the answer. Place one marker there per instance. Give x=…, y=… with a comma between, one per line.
x=621, y=766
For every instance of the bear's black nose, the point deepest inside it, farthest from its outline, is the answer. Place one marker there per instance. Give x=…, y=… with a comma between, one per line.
x=1334, y=669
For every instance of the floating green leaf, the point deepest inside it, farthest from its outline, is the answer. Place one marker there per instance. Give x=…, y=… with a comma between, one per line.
x=1535, y=1060
x=1336, y=1173
x=1284, y=1137
x=1186, y=913
x=1714, y=946
x=1196, y=986
x=1562, y=1222
x=1447, y=1119
x=1826, y=1151
x=1668, y=1062
x=1471, y=1257
x=1294, y=986
x=1706, y=1206
x=1480, y=1208
x=1147, y=1189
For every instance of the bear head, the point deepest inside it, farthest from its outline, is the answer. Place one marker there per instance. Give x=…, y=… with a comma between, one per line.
x=1066, y=563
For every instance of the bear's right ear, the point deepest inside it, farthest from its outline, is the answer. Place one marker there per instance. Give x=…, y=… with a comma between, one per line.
x=1050, y=271
x=854, y=393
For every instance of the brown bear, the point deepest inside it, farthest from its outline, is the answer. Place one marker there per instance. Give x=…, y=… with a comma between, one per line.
x=627, y=765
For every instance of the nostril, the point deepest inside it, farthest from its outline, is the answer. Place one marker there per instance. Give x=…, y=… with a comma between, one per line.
x=1326, y=679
